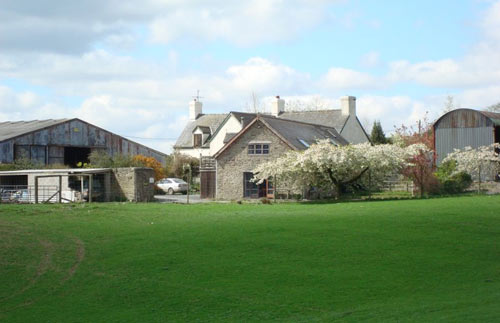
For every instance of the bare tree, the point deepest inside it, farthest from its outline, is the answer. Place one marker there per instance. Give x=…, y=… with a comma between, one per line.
x=314, y=103
x=494, y=107
x=254, y=105
x=450, y=104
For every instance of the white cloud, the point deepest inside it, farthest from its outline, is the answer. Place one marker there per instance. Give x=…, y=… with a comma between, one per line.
x=75, y=27
x=243, y=23
x=260, y=75
x=342, y=78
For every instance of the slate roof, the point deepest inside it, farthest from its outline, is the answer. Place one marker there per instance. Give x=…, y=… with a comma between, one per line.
x=329, y=118
x=12, y=129
x=326, y=118
x=203, y=129
x=294, y=132
x=213, y=121
x=247, y=117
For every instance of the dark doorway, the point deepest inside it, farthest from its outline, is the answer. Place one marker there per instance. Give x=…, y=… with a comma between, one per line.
x=207, y=184
x=75, y=155
x=253, y=190
x=15, y=180
x=497, y=134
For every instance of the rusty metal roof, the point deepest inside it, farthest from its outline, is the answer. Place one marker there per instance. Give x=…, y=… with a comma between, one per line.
x=12, y=129
x=494, y=116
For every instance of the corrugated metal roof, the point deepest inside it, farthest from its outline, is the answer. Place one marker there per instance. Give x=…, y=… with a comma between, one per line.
x=212, y=121
x=494, y=116
x=57, y=171
x=467, y=118
x=328, y=118
x=12, y=129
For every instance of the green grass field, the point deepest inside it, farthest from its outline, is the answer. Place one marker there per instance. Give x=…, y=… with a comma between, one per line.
x=394, y=261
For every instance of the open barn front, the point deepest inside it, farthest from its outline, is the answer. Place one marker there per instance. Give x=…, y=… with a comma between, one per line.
x=75, y=155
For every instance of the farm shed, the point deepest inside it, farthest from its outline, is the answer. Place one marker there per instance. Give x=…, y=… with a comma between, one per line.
x=64, y=141
x=77, y=184
x=460, y=128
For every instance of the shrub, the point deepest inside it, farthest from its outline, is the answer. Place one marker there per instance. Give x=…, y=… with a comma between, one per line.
x=457, y=183
x=452, y=182
x=152, y=163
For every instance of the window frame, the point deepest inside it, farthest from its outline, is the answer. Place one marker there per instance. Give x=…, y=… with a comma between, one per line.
x=199, y=142
x=258, y=149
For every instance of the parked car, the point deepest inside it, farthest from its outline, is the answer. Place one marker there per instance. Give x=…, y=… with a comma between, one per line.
x=172, y=185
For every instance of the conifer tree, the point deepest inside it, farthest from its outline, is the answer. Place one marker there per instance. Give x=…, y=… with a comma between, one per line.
x=377, y=136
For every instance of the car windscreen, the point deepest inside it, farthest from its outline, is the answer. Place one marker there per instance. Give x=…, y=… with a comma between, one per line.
x=179, y=181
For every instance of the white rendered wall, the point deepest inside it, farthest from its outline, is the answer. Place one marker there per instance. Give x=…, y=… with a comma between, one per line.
x=231, y=126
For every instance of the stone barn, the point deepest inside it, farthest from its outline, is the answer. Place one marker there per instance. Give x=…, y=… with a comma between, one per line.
x=64, y=141
x=460, y=128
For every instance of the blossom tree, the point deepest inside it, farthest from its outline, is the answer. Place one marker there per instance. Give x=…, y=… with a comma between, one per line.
x=477, y=162
x=325, y=164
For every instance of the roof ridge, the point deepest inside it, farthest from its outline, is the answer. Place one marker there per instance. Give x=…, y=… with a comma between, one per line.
x=301, y=111
x=296, y=121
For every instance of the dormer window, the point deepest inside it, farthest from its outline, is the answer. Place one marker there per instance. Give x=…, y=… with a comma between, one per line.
x=197, y=139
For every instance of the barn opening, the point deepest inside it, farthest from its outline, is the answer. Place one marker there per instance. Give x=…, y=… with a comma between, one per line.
x=75, y=155
x=497, y=134
x=14, y=180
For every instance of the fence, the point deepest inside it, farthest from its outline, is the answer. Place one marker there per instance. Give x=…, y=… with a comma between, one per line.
x=398, y=185
x=46, y=193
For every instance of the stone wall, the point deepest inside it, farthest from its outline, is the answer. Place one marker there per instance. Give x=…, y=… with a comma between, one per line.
x=235, y=160
x=132, y=184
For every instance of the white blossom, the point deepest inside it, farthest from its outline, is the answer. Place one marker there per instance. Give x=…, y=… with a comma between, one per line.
x=326, y=164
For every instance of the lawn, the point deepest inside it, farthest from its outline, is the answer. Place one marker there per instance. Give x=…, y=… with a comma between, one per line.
x=393, y=261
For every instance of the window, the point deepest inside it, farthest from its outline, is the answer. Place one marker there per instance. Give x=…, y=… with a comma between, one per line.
x=258, y=149
x=302, y=141
x=254, y=190
x=197, y=140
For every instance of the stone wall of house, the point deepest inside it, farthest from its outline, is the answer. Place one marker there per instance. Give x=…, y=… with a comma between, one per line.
x=132, y=184
x=235, y=160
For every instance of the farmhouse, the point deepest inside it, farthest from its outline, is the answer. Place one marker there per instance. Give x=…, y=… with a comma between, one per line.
x=231, y=145
x=460, y=128
x=206, y=134
x=63, y=141
x=263, y=139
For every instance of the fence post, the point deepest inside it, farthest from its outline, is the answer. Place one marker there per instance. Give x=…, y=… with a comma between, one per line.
x=90, y=188
x=36, y=189
x=60, y=189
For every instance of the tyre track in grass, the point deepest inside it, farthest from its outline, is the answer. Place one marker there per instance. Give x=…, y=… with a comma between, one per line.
x=43, y=267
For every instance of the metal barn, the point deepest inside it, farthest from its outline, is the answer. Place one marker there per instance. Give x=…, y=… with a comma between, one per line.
x=460, y=128
x=64, y=141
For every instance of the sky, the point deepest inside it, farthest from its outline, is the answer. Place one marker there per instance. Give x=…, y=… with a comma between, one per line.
x=132, y=67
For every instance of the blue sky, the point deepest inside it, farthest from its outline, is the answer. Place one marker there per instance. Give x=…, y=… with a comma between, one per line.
x=132, y=67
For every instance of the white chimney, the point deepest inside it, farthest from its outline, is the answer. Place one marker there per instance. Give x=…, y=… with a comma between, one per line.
x=348, y=105
x=278, y=106
x=194, y=109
